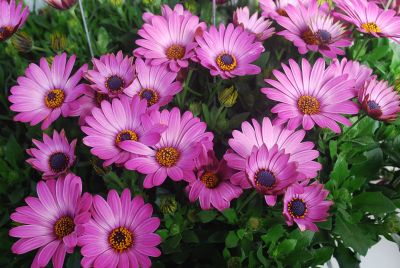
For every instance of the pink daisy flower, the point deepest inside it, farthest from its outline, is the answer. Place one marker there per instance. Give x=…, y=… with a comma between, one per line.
x=61, y=4
x=117, y=121
x=166, y=12
x=173, y=155
x=54, y=156
x=229, y=51
x=156, y=84
x=311, y=28
x=120, y=232
x=305, y=205
x=256, y=135
x=379, y=100
x=53, y=221
x=45, y=93
x=212, y=185
x=310, y=95
x=258, y=26
x=169, y=39
x=369, y=18
x=270, y=172
x=276, y=8
x=111, y=74
x=12, y=17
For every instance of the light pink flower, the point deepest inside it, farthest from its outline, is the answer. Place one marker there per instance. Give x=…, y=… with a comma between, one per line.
x=258, y=26
x=61, y=4
x=12, y=17
x=276, y=8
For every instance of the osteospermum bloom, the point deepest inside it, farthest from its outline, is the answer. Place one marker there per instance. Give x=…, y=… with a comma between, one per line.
x=111, y=74
x=212, y=185
x=270, y=172
x=229, y=51
x=173, y=155
x=305, y=205
x=45, y=93
x=52, y=221
x=258, y=26
x=379, y=100
x=369, y=18
x=61, y=4
x=54, y=156
x=120, y=233
x=256, y=135
x=12, y=17
x=310, y=95
x=169, y=40
x=275, y=8
x=166, y=12
x=156, y=84
x=310, y=28
x=115, y=122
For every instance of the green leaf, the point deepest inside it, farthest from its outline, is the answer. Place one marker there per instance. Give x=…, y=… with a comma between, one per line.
x=285, y=247
x=333, y=148
x=322, y=255
x=207, y=215
x=261, y=257
x=231, y=240
x=190, y=236
x=340, y=169
x=346, y=258
x=230, y=215
x=273, y=234
x=373, y=202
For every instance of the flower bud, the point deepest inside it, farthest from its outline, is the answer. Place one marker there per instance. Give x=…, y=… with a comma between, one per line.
x=168, y=205
x=234, y=262
x=22, y=42
x=58, y=41
x=61, y=4
x=191, y=6
x=195, y=108
x=228, y=97
x=254, y=223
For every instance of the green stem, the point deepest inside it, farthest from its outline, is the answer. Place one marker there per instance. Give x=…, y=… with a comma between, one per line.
x=248, y=199
x=86, y=29
x=39, y=49
x=344, y=134
x=365, y=43
x=388, y=4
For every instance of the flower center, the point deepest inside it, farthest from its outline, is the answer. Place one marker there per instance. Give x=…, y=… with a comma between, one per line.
x=297, y=208
x=226, y=62
x=58, y=162
x=167, y=156
x=5, y=32
x=126, y=135
x=99, y=97
x=308, y=105
x=371, y=27
x=150, y=95
x=63, y=227
x=54, y=98
x=372, y=105
x=175, y=52
x=324, y=36
x=281, y=12
x=265, y=178
x=310, y=38
x=120, y=239
x=210, y=179
x=115, y=84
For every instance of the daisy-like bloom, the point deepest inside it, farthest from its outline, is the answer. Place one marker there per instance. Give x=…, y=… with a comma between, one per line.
x=170, y=39
x=166, y=12
x=305, y=205
x=310, y=95
x=54, y=156
x=311, y=28
x=379, y=101
x=117, y=121
x=256, y=135
x=229, y=51
x=45, y=93
x=156, y=84
x=120, y=232
x=258, y=26
x=52, y=221
x=276, y=8
x=369, y=18
x=354, y=70
x=212, y=185
x=173, y=155
x=12, y=17
x=111, y=74
x=270, y=172
x=61, y=4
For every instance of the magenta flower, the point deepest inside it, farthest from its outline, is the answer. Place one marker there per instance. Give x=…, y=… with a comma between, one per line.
x=369, y=18
x=212, y=185
x=305, y=205
x=258, y=26
x=173, y=155
x=169, y=39
x=61, y=4
x=310, y=95
x=311, y=28
x=156, y=84
x=276, y=8
x=256, y=135
x=229, y=51
x=379, y=100
x=53, y=221
x=270, y=172
x=12, y=17
x=115, y=122
x=111, y=74
x=167, y=12
x=45, y=93
x=120, y=233
x=54, y=156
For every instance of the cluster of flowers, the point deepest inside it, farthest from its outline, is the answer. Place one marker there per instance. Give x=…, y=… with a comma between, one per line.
x=120, y=111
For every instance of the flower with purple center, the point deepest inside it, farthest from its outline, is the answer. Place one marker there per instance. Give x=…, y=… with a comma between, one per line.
x=258, y=26
x=12, y=17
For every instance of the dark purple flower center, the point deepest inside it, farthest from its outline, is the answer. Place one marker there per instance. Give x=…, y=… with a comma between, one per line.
x=297, y=208
x=115, y=84
x=372, y=105
x=265, y=178
x=324, y=36
x=126, y=135
x=58, y=162
x=227, y=59
x=150, y=95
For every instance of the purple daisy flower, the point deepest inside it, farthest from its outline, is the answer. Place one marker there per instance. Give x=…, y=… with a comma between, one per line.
x=166, y=12
x=229, y=51
x=258, y=26
x=305, y=205
x=310, y=95
x=276, y=8
x=12, y=17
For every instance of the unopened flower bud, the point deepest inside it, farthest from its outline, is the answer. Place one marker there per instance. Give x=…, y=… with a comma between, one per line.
x=228, y=97
x=58, y=41
x=22, y=42
x=168, y=205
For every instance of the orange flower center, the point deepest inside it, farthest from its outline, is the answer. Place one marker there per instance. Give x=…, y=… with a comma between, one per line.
x=308, y=105
x=175, y=52
x=167, y=156
x=281, y=12
x=226, y=62
x=6, y=32
x=55, y=98
x=210, y=179
x=310, y=38
x=99, y=97
x=150, y=95
x=63, y=227
x=126, y=135
x=121, y=239
x=371, y=27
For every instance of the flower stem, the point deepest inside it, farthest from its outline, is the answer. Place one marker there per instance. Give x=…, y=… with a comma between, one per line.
x=351, y=127
x=248, y=199
x=214, y=11
x=86, y=29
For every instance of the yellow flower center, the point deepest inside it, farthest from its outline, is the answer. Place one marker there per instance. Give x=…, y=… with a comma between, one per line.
x=210, y=179
x=371, y=27
x=99, y=97
x=167, y=156
x=63, y=227
x=121, y=239
x=308, y=105
x=226, y=62
x=126, y=135
x=55, y=98
x=150, y=95
x=281, y=12
x=175, y=52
